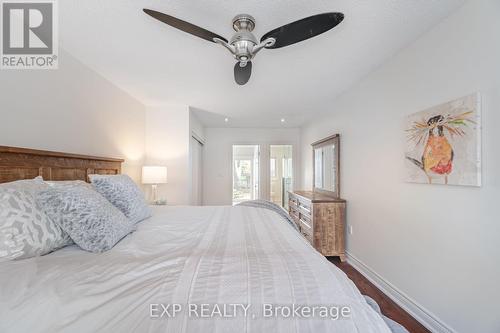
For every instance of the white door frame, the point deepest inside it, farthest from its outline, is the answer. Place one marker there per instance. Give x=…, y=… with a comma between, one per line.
x=201, y=141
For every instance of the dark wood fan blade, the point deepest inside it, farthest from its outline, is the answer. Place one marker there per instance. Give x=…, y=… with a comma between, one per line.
x=303, y=29
x=183, y=25
x=242, y=74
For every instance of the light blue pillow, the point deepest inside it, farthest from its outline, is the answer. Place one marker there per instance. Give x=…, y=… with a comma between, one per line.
x=124, y=194
x=91, y=221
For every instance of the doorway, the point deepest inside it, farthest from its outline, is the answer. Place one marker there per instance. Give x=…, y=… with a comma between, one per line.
x=280, y=173
x=246, y=159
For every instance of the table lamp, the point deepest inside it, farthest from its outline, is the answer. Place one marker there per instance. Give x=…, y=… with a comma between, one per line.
x=154, y=175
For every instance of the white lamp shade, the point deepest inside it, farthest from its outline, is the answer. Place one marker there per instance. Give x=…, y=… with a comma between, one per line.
x=154, y=175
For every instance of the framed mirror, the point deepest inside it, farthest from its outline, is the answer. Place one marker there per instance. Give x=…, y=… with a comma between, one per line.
x=326, y=166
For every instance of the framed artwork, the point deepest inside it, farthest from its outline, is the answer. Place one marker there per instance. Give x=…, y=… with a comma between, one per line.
x=444, y=143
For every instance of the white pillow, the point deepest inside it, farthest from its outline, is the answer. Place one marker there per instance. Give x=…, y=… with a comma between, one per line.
x=25, y=230
x=122, y=192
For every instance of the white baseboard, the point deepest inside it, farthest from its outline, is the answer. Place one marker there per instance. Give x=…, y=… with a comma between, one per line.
x=425, y=317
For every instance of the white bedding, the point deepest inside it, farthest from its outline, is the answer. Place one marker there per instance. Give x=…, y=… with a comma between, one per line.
x=188, y=256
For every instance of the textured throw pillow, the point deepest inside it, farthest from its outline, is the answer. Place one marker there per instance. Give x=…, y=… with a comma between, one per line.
x=92, y=222
x=25, y=230
x=122, y=192
x=32, y=185
x=68, y=182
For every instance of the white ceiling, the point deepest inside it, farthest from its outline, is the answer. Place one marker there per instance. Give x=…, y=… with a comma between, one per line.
x=159, y=65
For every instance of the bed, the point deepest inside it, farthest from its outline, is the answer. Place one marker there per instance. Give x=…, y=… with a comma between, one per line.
x=186, y=269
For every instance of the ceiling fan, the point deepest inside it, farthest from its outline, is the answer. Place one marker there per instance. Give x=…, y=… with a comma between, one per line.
x=244, y=46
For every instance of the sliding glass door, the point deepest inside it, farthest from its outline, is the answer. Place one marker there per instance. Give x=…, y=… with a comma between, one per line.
x=280, y=173
x=245, y=173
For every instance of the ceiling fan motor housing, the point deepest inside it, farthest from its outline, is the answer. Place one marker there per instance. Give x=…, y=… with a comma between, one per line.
x=243, y=40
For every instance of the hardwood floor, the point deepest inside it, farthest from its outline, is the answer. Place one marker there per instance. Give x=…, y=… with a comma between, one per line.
x=389, y=308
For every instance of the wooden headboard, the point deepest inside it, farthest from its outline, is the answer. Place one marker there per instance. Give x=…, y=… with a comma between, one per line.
x=22, y=163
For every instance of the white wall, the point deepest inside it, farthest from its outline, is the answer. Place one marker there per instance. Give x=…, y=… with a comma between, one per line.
x=167, y=143
x=437, y=244
x=72, y=109
x=217, y=176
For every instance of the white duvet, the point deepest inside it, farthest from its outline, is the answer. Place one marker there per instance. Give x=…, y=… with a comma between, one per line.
x=187, y=269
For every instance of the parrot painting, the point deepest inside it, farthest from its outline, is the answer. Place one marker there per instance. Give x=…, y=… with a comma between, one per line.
x=435, y=135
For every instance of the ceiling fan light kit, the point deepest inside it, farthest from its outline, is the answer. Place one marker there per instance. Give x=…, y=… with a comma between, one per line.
x=244, y=46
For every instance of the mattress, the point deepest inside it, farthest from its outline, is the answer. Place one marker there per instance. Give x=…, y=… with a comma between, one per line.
x=187, y=269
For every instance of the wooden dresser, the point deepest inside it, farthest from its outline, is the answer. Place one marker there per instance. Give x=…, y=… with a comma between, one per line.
x=320, y=218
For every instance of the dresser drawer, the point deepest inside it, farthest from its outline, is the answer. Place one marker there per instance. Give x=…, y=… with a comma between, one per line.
x=306, y=214
x=308, y=237
x=306, y=219
x=305, y=208
x=306, y=226
x=294, y=213
x=307, y=233
x=293, y=201
x=295, y=217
